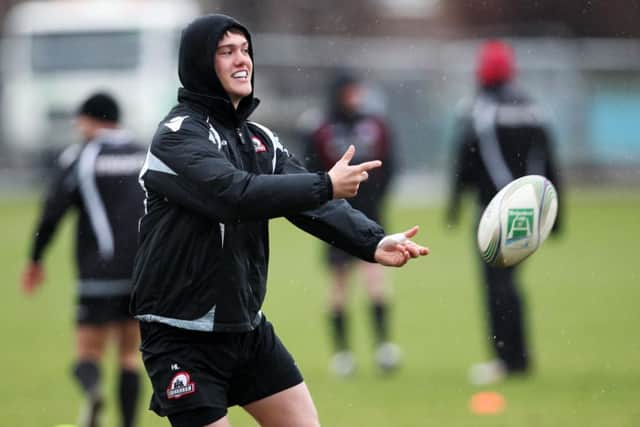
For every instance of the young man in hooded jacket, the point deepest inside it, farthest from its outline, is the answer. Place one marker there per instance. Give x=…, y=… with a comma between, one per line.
x=504, y=137
x=213, y=180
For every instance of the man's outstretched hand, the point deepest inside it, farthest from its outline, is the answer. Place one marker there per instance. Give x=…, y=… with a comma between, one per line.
x=32, y=277
x=395, y=250
x=346, y=178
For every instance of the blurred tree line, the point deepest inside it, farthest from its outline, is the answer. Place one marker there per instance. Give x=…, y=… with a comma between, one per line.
x=445, y=18
x=454, y=18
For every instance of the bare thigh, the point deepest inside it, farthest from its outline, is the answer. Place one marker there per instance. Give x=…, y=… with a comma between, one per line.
x=374, y=281
x=338, y=290
x=222, y=422
x=292, y=407
x=127, y=336
x=91, y=341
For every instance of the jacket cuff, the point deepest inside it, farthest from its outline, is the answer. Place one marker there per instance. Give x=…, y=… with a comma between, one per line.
x=378, y=235
x=329, y=185
x=36, y=255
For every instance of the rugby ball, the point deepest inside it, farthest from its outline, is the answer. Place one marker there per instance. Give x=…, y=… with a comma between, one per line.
x=517, y=220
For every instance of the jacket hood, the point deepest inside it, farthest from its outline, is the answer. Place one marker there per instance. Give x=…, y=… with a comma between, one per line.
x=198, y=45
x=341, y=80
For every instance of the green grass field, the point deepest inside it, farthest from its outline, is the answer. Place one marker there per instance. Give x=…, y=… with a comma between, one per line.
x=582, y=293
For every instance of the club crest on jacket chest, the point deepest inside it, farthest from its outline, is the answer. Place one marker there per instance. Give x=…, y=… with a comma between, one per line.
x=258, y=145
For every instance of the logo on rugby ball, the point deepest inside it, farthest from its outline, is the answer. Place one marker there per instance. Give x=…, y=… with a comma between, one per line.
x=180, y=385
x=519, y=226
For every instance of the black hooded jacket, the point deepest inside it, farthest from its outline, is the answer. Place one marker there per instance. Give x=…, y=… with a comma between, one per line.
x=213, y=180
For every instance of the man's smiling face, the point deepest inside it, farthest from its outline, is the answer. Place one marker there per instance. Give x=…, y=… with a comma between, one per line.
x=234, y=66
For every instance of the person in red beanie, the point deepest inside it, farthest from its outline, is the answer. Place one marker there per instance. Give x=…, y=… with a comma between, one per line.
x=502, y=136
x=496, y=64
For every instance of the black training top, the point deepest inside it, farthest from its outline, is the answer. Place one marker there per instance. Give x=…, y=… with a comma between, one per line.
x=100, y=180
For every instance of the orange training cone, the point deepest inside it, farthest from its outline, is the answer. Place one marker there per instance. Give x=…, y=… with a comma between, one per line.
x=487, y=403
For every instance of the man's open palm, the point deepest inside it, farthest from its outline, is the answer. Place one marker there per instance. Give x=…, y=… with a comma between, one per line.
x=396, y=249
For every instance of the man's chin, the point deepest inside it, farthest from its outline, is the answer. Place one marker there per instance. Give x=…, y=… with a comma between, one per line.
x=242, y=94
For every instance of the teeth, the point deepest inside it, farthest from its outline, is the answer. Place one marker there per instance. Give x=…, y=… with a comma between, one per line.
x=240, y=74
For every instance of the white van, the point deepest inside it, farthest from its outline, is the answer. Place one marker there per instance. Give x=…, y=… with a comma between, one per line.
x=56, y=53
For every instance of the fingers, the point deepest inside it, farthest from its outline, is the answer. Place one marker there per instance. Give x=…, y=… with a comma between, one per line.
x=415, y=251
x=362, y=167
x=346, y=178
x=412, y=232
x=403, y=255
x=348, y=155
x=367, y=166
x=31, y=278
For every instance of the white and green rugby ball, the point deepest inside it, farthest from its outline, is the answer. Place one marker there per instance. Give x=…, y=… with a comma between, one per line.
x=517, y=220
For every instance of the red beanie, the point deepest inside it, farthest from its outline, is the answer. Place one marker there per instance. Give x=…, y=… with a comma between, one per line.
x=496, y=63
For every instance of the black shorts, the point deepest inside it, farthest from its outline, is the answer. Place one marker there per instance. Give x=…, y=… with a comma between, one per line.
x=102, y=310
x=336, y=257
x=196, y=376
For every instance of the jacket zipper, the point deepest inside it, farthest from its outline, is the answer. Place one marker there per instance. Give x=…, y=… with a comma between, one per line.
x=239, y=132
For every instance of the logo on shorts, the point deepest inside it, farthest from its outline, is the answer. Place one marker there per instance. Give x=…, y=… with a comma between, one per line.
x=180, y=385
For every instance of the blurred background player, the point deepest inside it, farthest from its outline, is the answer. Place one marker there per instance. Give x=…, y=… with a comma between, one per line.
x=347, y=122
x=502, y=137
x=99, y=179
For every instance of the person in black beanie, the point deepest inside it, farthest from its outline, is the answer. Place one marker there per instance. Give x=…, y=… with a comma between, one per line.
x=100, y=107
x=98, y=179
